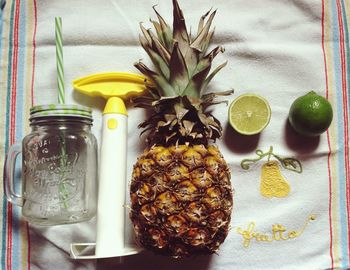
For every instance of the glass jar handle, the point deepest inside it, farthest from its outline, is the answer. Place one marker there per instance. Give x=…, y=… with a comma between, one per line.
x=9, y=172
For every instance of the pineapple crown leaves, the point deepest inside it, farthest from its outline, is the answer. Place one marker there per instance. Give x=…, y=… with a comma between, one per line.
x=185, y=116
x=176, y=87
x=182, y=65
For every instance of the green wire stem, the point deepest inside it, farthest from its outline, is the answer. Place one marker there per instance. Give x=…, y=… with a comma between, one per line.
x=291, y=164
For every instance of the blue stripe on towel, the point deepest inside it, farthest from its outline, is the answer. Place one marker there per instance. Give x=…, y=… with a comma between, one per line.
x=7, y=124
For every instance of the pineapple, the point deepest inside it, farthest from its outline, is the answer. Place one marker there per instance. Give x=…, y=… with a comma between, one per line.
x=181, y=195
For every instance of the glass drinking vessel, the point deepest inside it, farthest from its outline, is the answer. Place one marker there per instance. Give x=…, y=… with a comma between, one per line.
x=59, y=166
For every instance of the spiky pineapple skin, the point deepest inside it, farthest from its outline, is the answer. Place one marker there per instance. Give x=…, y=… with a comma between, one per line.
x=181, y=199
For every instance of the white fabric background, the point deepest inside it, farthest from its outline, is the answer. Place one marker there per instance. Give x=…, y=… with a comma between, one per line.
x=274, y=49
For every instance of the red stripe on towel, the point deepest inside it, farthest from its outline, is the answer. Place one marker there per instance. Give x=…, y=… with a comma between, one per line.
x=34, y=48
x=329, y=146
x=32, y=103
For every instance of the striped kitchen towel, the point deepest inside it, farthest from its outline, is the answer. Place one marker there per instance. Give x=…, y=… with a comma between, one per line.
x=278, y=49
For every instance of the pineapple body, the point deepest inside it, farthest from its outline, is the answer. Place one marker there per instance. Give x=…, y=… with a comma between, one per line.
x=181, y=196
x=181, y=199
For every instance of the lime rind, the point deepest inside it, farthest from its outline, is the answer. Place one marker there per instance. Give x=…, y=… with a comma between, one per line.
x=246, y=113
x=310, y=114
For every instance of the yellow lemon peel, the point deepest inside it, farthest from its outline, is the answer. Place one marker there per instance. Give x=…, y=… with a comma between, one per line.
x=278, y=233
x=273, y=184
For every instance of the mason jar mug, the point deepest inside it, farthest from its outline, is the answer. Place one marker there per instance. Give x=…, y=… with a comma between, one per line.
x=59, y=166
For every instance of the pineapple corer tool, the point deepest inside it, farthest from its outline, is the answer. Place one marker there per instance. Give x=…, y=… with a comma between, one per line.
x=110, y=231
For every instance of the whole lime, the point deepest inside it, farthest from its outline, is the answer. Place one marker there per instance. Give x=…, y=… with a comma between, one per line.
x=311, y=114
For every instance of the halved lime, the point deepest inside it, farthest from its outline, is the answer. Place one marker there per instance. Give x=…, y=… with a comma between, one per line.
x=249, y=114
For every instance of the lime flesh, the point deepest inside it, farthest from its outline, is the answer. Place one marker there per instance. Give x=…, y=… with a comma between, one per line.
x=249, y=114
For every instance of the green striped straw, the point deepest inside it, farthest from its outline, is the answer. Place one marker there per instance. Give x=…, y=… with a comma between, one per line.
x=59, y=59
x=60, y=83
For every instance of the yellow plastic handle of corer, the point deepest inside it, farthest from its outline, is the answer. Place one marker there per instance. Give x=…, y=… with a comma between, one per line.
x=111, y=84
x=114, y=86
